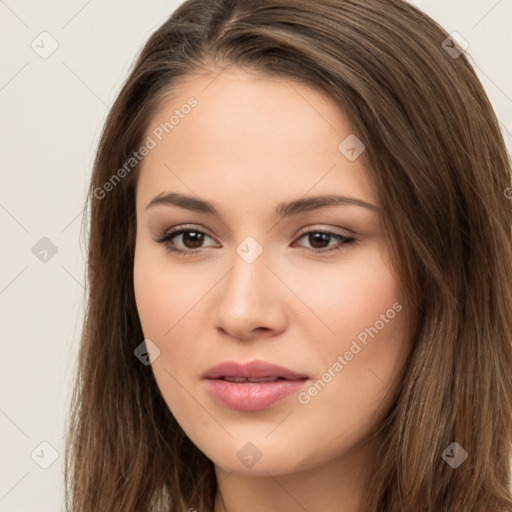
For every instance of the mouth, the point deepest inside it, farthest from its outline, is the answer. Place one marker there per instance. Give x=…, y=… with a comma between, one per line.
x=253, y=379
x=252, y=386
x=252, y=370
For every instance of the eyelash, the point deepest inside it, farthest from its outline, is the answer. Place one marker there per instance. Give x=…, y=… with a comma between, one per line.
x=166, y=238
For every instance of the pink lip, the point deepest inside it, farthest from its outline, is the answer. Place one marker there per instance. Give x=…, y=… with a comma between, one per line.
x=252, y=396
x=252, y=369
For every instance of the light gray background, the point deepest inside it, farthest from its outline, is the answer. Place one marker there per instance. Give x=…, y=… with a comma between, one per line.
x=52, y=111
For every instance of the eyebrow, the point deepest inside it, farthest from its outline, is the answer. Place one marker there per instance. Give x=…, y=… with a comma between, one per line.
x=282, y=210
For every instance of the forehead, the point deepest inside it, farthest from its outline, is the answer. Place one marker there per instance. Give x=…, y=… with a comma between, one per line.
x=249, y=134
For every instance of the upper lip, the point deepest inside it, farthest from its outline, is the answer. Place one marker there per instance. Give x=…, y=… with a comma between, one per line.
x=253, y=369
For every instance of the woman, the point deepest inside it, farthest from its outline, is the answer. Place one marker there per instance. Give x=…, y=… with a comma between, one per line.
x=300, y=271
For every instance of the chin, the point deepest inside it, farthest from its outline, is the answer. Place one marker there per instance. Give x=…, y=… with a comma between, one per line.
x=260, y=459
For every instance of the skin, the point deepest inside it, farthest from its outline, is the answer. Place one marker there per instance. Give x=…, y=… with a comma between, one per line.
x=253, y=142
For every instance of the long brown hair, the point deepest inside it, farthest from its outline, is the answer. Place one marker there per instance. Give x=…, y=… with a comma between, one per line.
x=438, y=161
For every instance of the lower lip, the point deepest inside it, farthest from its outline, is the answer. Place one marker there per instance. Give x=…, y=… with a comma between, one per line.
x=252, y=396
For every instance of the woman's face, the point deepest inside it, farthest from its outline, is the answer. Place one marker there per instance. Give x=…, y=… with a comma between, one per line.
x=273, y=272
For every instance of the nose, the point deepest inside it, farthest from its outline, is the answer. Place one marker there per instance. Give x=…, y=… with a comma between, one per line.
x=251, y=300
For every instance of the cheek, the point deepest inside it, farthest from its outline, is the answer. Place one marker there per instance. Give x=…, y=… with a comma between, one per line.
x=164, y=301
x=149, y=296
x=162, y=296
x=363, y=307
x=372, y=325
x=359, y=368
x=349, y=298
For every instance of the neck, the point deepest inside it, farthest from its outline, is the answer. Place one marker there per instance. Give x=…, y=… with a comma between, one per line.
x=335, y=486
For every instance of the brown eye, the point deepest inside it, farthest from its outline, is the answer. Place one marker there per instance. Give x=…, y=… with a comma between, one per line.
x=319, y=240
x=192, y=239
x=184, y=241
